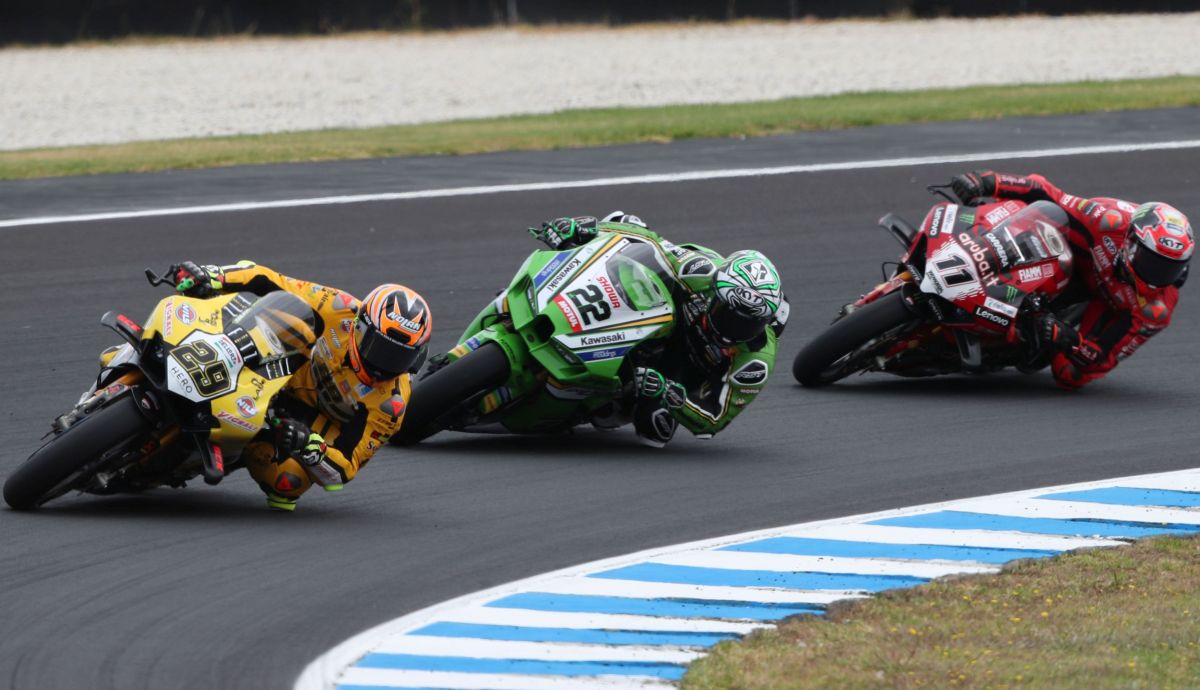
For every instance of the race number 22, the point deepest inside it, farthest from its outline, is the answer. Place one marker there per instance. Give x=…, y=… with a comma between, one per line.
x=591, y=304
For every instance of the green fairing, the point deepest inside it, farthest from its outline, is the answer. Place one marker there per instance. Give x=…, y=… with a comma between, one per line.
x=524, y=404
x=526, y=334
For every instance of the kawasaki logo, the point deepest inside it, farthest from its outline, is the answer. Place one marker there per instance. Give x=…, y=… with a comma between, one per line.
x=559, y=277
x=606, y=339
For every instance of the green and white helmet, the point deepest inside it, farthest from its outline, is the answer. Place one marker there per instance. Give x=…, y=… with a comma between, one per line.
x=747, y=297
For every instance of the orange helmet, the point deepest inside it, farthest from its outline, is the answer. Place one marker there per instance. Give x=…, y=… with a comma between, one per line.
x=391, y=332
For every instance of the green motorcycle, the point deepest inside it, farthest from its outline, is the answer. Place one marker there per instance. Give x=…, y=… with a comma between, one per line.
x=549, y=352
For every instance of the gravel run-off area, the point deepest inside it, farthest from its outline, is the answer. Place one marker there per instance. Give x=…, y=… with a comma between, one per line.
x=164, y=90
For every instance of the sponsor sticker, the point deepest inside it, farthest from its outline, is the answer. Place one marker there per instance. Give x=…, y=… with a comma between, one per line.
x=980, y=256
x=1029, y=275
x=549, y=268
x=1002, y=307
x=602, y=339
x=246, y=407
x=609, y=291
x=751, y=374
x=935, y=223
x=698, y=266
x=569, y=312
x=997, y=214
x=557, y=281
x=405, y=323
x=224, y=416
x=1171, y=243
x=597, y=355
x=169, y=317
x=989, y=316
x=995, y=242
x=185, y=314
x=233, y=356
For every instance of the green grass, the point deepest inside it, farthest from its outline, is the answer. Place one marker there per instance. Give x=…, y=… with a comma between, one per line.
x=577, y=128
x=1095, y=620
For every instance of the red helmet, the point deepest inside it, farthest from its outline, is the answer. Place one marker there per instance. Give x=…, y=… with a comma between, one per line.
x=391, y=332
x=1159, y=245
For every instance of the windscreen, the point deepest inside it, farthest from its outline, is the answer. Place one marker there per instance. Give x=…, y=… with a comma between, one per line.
x=285, y=321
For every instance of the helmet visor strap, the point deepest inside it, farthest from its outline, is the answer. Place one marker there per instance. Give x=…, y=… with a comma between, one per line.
x=382, y=357
x=732, y=327
x=1153, y=268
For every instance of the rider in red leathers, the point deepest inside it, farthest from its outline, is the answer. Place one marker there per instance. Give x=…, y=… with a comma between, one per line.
x=1131, y=261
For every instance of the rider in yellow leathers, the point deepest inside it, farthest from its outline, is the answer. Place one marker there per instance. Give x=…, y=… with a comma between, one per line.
x=339, y=408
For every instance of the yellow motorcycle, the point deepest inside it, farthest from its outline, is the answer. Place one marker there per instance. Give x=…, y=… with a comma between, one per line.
x=184, y=393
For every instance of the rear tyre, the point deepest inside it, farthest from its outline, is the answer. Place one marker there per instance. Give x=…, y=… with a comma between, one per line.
x=831, y=355
x=446, y=389
x=42, y=476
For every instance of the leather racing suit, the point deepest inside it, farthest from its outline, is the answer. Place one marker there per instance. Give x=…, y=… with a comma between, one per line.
x=1118, y=318
x=354, y=418
x=719, y=382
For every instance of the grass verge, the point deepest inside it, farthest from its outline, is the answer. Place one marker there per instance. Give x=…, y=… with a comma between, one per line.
x=578, y=128
x=1105, y=618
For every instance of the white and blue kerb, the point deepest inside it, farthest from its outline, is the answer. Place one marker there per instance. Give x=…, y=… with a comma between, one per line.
x=638, y=620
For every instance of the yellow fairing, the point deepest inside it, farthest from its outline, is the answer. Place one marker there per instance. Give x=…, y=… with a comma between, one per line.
x=176, y=317
x=242, y=411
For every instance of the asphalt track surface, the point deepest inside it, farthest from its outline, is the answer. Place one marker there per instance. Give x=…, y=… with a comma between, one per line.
x=204, y=588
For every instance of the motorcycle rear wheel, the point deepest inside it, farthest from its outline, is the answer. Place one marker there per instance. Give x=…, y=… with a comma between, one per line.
x=446, y=389
x=49, y=472
x=826, y=358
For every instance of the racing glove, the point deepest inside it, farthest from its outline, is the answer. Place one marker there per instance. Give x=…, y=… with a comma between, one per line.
x=294, y=439
x=969, y=187
x=194, y=280
x=564, y=233
x=652, y=385
x=1063, y=338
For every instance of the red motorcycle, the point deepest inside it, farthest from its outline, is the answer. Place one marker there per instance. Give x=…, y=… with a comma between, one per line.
x=956, y=301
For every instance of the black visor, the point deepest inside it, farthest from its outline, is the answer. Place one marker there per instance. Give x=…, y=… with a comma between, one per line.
x=1154, y=269
x=382, y=357
x=732, y=327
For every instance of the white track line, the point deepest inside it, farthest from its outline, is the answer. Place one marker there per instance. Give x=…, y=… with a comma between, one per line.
x=429, y=645
x=886, y=534
x=603, y=587
x=784, y=563
x=1079, y=510
x=605, y=182
x=593, y=621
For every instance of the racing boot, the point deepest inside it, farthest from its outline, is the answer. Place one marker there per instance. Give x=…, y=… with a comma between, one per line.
x=280, y=503
x=654, y=425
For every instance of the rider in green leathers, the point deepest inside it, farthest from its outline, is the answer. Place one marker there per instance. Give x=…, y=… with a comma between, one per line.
x=730, y=313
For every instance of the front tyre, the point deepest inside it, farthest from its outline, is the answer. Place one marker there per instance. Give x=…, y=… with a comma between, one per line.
x=445, y=390
x=53, y=468
x=840, y=350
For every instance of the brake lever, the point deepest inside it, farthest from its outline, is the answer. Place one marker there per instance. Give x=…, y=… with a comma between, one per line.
x=940, y=190
x=156, y=280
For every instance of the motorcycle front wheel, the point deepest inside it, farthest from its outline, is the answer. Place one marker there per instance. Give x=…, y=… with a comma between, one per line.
x=447, y=389
x=845, y=347
x=53, y=469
